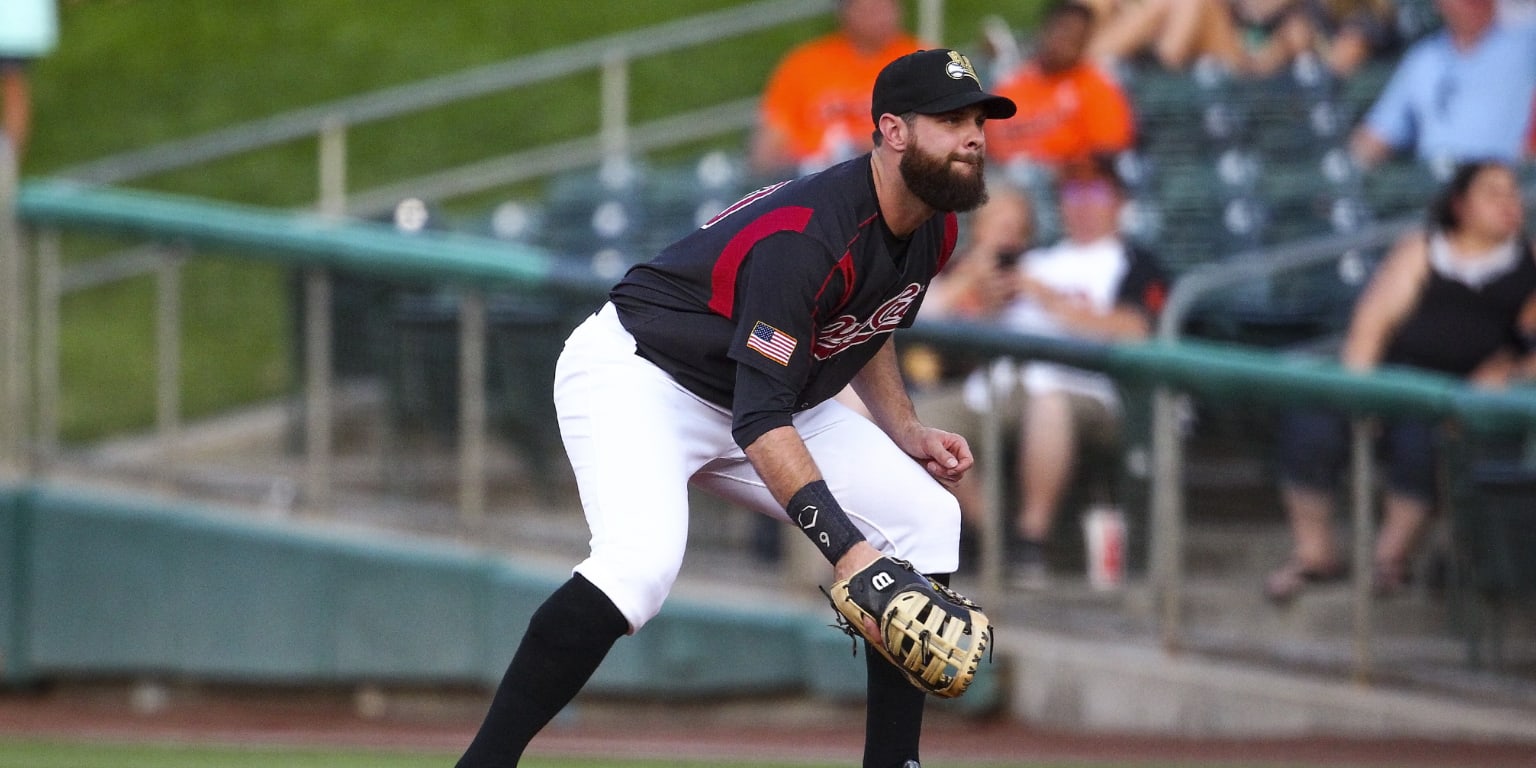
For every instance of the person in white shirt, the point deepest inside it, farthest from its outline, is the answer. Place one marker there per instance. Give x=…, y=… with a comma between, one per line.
x=1092, y=284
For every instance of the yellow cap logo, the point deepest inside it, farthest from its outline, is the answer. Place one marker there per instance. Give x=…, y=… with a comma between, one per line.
x=959, y=66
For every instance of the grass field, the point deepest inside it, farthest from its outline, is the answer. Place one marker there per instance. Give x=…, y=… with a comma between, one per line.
x=132, y=74
x=41, y=754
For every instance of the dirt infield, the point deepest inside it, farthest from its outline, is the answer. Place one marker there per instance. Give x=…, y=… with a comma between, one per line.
x=784, y=730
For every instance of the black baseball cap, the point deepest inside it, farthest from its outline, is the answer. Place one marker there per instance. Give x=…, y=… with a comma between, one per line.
x=932, y=82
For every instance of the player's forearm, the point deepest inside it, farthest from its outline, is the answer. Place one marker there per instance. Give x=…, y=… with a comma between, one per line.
x=783, y=462
x=786, y=467
x=884, y=393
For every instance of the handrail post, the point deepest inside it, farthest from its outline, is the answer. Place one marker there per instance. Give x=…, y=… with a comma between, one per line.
x=319, y=406
x=13, y=347
x=50, y=309
x=930, y=22
x=1362, y=495
x=615, y=105
x=472, y=407
x=317, y=388
x=1167, y=546
x=994, y=532
x=167, y=356
x=332, y=161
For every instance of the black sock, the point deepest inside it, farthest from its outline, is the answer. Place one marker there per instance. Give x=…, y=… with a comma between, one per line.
x=893, y=716
x=567, y=638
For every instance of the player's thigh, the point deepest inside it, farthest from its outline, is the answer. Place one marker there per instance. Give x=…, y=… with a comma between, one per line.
x=633, y=437
x=895, y=503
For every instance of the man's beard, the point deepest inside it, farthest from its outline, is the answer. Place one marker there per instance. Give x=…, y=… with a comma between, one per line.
x=941, y=187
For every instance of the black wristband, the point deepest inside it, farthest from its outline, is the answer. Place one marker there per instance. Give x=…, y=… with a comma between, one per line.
x=823, y=521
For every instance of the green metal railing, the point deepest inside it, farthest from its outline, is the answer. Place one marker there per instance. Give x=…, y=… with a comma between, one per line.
x=314, y=243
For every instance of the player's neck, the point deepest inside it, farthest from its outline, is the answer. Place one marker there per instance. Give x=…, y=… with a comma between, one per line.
x=903, y=211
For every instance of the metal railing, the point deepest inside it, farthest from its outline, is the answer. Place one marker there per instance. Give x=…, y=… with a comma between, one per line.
x=1167, y=497
x=612, y=55
x=319, y=245
x=14, y=350
x=316, y=246
x=329, y=124
x=307, y=242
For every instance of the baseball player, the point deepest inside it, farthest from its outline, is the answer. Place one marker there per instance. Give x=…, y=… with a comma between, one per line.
x=715, y=364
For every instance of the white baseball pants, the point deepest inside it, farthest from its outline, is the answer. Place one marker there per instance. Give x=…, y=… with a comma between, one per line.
x=636, y=439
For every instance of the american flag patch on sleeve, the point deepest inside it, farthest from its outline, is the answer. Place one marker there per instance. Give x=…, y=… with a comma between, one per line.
x=771, y=343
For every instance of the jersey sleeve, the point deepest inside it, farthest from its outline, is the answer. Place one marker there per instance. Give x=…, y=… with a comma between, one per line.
x=779, y=291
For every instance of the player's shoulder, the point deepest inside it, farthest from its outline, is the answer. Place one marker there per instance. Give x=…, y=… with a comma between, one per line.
x=845, y=186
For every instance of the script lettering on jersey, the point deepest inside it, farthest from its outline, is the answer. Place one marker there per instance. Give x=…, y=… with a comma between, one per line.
x=845, y=331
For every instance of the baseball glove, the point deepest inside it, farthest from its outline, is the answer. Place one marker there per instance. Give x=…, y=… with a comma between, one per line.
x=931, y=633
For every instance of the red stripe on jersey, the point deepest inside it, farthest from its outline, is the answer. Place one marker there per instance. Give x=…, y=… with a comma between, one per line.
x=722, y=298
x=844, y=267
x=951, y=234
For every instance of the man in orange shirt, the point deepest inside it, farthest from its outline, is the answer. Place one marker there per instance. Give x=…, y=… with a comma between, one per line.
x=815, y=109
x=1069, y=110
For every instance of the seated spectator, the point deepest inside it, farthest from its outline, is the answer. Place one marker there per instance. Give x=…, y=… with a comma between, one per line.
x=1069, y=109
x=815, y=107
x=1344, y=35
x=1460, y=94
x=1176, y=33
x=1248, y=37
x=1450, y=300
x=1092, y=285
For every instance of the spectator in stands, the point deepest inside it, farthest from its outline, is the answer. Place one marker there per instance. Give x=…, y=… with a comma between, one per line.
x=1092, y=284
x=1462, y=93
x=28, y=30
x=1343, y=35
x=1248, y=37
x=1069, y=109
x=1448, y=300
x=815, y=108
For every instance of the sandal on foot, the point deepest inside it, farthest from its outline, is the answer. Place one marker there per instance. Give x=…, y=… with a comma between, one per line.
x=1288, y=581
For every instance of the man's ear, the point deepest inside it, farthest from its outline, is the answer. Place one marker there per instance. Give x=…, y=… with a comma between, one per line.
x=894, y=132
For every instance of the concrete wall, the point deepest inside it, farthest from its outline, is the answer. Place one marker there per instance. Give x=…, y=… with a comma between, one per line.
x=100, y=585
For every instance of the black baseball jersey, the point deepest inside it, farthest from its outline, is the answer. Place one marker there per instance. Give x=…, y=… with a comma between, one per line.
x=778, y=302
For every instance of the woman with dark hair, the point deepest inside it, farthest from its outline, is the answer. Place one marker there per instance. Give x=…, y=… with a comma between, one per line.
x=1457, y=299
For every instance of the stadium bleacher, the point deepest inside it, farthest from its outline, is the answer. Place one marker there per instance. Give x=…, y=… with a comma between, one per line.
x=1224, y=167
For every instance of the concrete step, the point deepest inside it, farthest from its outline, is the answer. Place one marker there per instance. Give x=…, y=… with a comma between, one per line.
x=1238, y=607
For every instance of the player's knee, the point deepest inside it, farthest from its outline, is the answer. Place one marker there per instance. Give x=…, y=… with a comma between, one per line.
x=932, y=542
x=638, y=590
x=944, y=518
x=941, y=511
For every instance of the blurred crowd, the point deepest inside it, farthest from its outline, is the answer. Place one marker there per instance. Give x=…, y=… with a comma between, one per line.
x=1459, y=100
x=1462, y=87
